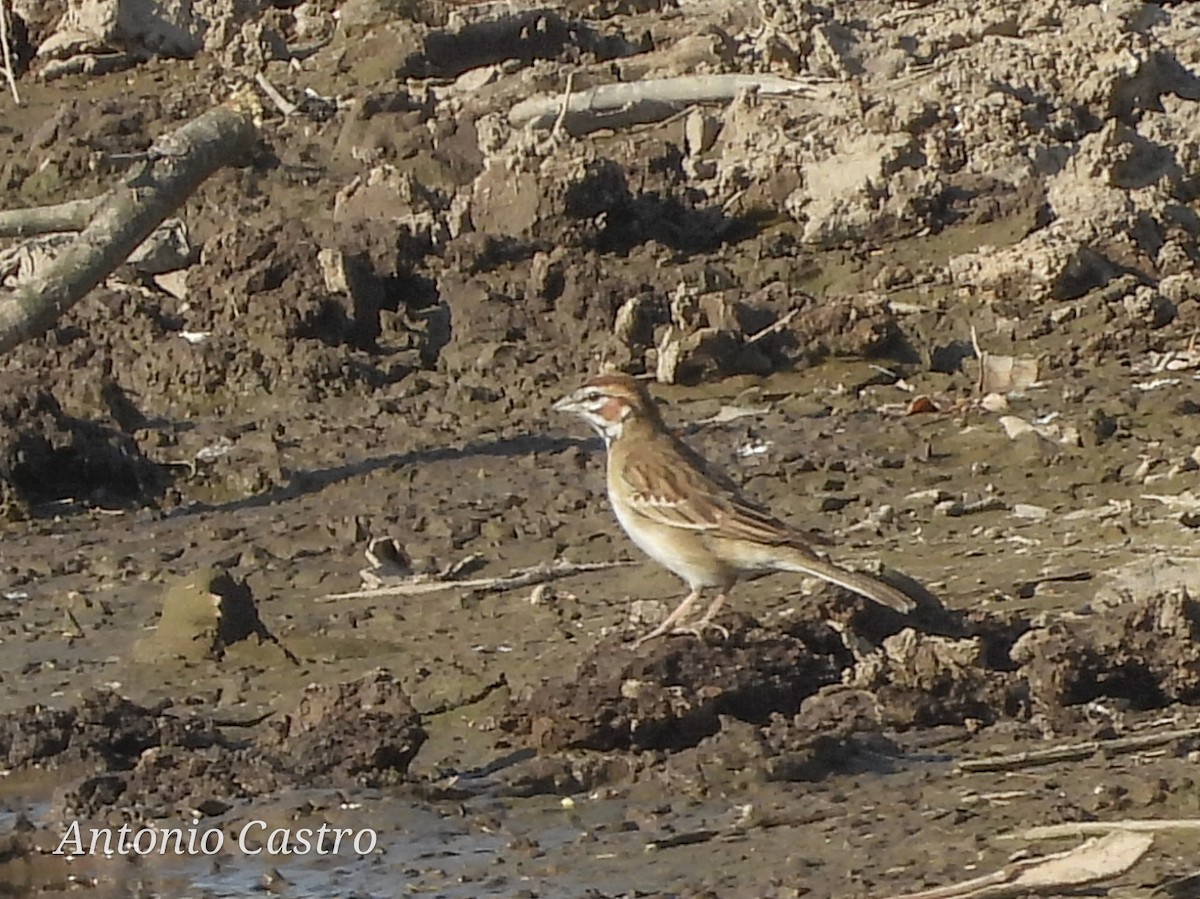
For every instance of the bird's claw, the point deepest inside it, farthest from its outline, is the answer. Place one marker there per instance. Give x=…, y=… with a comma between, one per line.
x=697, y=630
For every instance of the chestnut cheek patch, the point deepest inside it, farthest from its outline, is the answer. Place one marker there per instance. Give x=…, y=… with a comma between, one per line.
x=611, y=410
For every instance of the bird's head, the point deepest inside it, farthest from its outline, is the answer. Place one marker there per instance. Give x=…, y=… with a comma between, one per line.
x=609, y=403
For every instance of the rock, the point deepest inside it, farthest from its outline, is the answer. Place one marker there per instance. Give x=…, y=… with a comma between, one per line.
x=1145, y=651
x=1050, y=264
x=167, y=28
x=925, y=679
x=700, y=132
x=1150, y=307
x=841, y=201
x=504, y=201
x=388, y=194
x=47, y=455
x=1180, y=288
x=203, y=614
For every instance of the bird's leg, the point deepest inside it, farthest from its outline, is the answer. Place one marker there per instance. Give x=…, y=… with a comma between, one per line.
x=668, y=623
x=697, y=630
x=711, y=613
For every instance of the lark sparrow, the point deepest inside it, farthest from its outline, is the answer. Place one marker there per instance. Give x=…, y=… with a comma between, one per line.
x=688, y=518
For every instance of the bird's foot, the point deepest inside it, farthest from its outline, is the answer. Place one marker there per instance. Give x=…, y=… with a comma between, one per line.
x=697, y=630
x=667, y=627
x=683, y=630
x=668, y=624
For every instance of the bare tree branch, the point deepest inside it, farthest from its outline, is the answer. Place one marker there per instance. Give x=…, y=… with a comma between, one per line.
x=175, y=167
x=610, y=105
x=70, y=216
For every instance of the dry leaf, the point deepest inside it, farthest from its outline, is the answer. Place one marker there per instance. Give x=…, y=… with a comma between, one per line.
x=922, y=403
x=994, y=402
x=1016, y=427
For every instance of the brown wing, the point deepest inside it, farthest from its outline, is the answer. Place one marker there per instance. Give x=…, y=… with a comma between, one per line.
x=679, y=489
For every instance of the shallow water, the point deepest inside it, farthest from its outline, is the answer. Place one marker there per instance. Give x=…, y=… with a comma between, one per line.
x=482, y=847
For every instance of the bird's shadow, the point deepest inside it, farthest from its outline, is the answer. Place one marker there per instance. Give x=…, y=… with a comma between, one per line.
x=303, y=482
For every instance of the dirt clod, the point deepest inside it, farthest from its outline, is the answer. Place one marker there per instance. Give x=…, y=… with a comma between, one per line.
x=672, y=694
x=362, y=732
x=47, y=455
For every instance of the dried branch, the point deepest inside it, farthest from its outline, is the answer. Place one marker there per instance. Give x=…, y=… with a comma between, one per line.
x=1073, y=752
x=637, y=102
x=778, y=325
x=6, y=48
x=522, y=577
x=94, y=64
x=282, y=103
x=175, y=167
x=70, y=216
x=566, y=103
x=981, y=355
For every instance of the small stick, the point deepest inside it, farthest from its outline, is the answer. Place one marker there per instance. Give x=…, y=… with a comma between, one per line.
x=566, y=105
x=281, y=102
x=1074, y=751
x=981, y=355
x=522, y=577
x=460, y=702
x=778, y=325
x=1094, y=828
x=4, y=44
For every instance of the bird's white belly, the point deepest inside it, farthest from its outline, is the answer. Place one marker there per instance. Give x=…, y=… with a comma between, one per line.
x=653, y=540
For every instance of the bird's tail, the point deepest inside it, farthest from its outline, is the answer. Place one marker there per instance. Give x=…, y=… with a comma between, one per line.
x=857, y=582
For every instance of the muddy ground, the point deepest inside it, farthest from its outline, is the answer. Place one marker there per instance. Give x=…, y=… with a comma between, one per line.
x=384, y=301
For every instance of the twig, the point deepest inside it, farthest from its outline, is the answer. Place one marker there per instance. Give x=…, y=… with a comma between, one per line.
x=981, y=355
x=778, y=325
x=522, y=577
x=281, y=102
x=686, y=838
x=669, y=120
x=7, y=48
x=1089, y=862
x=566, y=103
x=1074, y=751
x=1099, y=828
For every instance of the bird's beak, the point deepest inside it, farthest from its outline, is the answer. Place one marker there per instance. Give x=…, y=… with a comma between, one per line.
x=566, y=404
